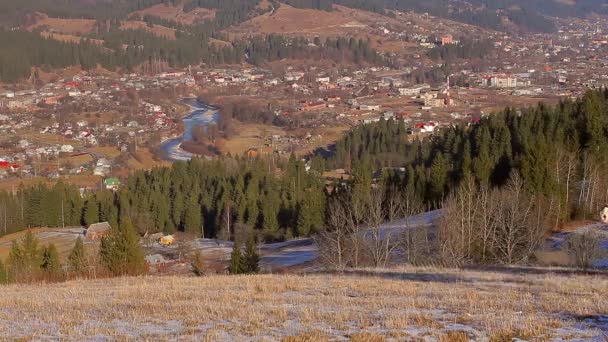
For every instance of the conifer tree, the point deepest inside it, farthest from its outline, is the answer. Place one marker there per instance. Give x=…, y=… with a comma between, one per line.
x=91, y=212
x=24, y=258
x=236, y=260
x=120, y=252
x=251, y=257
x=50, y=262
x=31, y=253
x=77, y=259
x=193, y=220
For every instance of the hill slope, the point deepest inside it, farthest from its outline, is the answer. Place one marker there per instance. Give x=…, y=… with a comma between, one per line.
x=361, y=306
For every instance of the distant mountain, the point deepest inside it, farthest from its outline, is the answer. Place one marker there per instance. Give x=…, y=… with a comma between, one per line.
x=532, y=15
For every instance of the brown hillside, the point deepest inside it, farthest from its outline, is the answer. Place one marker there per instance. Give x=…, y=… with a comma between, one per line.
x=68, y=38
x=290, y=20
x=176, y=13
x=67, y=26
x=158, y=30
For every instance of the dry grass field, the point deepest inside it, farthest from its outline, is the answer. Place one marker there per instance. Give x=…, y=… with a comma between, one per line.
x=291, y=20
x=67, y=26
x=176, y=13
x=83, y=181
x=63, y=239
x=161, y=31
x=408, y=304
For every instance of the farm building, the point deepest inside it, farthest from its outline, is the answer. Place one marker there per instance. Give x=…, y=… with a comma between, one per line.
x=98, y=230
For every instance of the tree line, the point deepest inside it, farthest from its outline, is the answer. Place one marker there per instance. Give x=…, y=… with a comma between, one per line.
x=557, y=151
x=201, y=198
x=128, y=49
x=119, y=254
x=464, y=49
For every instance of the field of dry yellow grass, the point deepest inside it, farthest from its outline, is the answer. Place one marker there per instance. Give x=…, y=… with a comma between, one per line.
x=406, y=304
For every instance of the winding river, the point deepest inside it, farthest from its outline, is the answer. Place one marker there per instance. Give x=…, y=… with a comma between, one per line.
x=201, y=115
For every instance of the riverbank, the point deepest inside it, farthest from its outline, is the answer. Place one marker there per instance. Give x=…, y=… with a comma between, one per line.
x=200, y=115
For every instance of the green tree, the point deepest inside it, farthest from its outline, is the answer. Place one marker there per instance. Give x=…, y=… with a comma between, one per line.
x=251, y=259
x=91, y=212
x=438, y=177
x=50, y=262
x=236, y=260
x=120, y=252
x=193, y=221
x=24, y=258
x=77, y=259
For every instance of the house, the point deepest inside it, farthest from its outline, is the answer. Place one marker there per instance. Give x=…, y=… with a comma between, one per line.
x=501, y=81
x=434, y=102
x=373, y=108
x=447, y=39
x=98, y=230
x=67, y=148
x=111, y=183
x=426, y=127
x=409, y=91
x=252, y=152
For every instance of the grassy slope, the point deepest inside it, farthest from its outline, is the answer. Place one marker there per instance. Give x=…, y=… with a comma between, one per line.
x=446, y=305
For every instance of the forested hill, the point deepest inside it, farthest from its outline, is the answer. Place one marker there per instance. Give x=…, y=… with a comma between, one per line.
x=555, y=149
x=530, y=15
x=527, y=15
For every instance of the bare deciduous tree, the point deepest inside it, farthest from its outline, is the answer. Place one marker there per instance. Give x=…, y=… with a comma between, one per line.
x=584, y=247
x=504, y=225
x=378, y=239
x=333, y=242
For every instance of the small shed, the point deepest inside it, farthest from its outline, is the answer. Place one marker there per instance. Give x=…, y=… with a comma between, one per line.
x=98, y=230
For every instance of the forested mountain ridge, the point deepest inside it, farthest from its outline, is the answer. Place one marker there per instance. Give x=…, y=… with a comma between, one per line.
x=529, y=14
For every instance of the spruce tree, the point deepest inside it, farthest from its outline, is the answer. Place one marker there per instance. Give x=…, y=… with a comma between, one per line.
x=193, y=220
x=251, y=259
x=50, y=262
x=91, y=212
x=77, y=259
x=236, y=260
x=120, y=252
x=31, y=253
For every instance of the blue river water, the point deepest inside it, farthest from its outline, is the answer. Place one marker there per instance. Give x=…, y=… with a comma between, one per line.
x=201, y=115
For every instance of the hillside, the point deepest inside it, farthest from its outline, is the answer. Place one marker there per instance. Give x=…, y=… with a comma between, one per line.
x=343, y=21
x=176, y=13
x=374, y=305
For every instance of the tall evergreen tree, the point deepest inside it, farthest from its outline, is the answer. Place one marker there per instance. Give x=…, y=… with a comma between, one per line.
x=236, y=260
x=91, y=212
x=77, y=259
x=251, y=259
x=120, y=252
x=50, y=262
